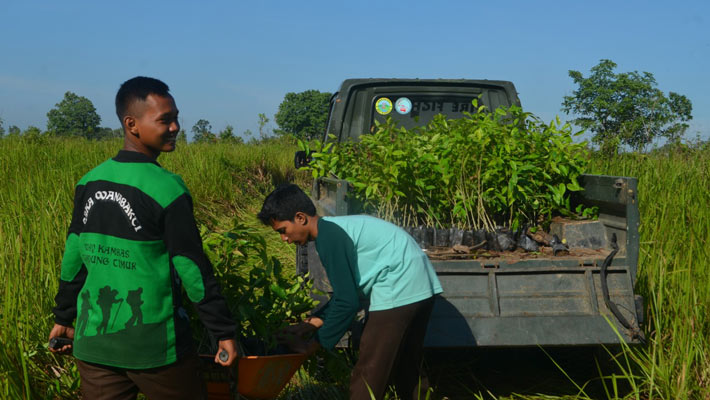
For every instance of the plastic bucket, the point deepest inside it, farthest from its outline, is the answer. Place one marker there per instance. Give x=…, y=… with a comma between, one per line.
x=256, y=377
x=263, y=377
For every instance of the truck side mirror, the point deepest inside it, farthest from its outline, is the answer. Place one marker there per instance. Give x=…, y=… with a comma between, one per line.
x=301, y=159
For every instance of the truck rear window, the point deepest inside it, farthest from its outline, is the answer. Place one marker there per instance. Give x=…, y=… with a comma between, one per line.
x=410, y=110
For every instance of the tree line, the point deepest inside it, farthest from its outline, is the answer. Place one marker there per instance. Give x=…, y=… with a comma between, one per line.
x=302, y=115
x=618, y=109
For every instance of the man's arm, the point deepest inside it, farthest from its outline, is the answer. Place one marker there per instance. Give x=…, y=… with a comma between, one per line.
x=184, y=245
x=339, y=258
x=73, y=272
x=71, y=280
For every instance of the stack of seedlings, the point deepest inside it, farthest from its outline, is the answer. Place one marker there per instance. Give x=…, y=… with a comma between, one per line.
x=488, y=181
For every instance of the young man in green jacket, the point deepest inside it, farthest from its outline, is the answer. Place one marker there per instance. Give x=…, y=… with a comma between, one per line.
x=133, y=239
x=364, y=258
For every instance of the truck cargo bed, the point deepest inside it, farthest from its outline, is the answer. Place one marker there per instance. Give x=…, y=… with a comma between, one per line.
x=528, y=300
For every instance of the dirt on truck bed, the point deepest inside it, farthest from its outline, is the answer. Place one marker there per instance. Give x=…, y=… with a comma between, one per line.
x=466, y=253
x=581, y=239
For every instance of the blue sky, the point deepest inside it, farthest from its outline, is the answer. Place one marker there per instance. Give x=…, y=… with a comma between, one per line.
x=228, y=61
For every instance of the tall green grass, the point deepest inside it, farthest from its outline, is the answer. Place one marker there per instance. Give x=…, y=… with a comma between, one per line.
x=674, y=268
x=36, y=187
x=36, y=195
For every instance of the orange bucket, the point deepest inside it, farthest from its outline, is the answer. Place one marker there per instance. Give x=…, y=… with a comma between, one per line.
x=263, y=377
x=257, y=377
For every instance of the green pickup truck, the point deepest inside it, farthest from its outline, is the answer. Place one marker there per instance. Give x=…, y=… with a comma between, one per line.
x=553, y=301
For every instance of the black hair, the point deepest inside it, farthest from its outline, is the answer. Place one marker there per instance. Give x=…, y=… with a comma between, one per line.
x=137, y=89
x=283, y=203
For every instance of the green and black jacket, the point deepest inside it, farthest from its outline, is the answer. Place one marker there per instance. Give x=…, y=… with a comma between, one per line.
x=132, y=244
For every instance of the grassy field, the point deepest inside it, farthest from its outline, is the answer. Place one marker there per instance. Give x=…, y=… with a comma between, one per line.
x=228, y=181
x=674, y=270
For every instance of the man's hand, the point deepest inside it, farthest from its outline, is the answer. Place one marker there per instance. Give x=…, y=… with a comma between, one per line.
x=62, y=332
x=314, y=321
x=298, y=336
x=300, y=331
x=228, y=347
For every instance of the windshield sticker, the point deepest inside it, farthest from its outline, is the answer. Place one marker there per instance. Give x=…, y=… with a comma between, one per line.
x=403, y=105
x=384, y=106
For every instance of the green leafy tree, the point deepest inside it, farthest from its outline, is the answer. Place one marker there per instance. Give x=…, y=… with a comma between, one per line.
x=2, y=128
x=73, y=116
x=304, y=114
x=13, y=130
x=32, y=131
x=33, y=134
x=202, y=132
x=227, y=135
x=625, y=108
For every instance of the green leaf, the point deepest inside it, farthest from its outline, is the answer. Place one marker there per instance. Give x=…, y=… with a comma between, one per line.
x=573, y=186
x=279, y=291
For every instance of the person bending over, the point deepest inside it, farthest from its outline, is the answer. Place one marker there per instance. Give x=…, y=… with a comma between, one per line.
x=364, y=258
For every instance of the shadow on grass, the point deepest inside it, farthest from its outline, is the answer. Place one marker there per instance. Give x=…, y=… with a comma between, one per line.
x=492, y=373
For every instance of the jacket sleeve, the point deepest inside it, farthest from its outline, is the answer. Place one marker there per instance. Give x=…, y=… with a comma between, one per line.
x=184, y=246
x=338, y=256
x=73, y=272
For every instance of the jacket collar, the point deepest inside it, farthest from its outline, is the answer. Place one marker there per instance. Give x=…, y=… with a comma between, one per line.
x=133, y=156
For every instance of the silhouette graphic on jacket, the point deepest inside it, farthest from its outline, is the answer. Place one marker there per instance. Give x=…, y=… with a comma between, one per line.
x=83, y=318
x=134, y=300
x=107, y=298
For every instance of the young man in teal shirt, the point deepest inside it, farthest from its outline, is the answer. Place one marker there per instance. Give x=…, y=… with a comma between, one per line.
x=364, y=258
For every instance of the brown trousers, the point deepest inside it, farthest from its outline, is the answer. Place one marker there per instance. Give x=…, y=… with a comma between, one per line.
x=391, y=350
x=181, y=380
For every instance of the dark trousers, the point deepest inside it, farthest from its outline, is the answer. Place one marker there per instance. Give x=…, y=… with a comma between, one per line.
x=181, y=380
x=391, y=350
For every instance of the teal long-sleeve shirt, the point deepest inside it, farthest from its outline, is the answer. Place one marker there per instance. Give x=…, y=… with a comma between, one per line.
x=366, y=257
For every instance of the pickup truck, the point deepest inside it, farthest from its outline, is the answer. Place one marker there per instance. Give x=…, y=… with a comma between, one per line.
x=546, y=300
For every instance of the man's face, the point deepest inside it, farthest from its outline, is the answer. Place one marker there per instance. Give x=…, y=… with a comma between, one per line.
x=294, y=231
x=156, y=124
